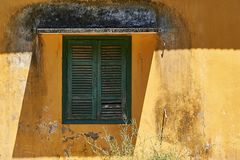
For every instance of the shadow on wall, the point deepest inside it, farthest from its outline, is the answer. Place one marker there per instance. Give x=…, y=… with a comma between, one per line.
x=40, y=119
x=40, y=130
x=39, y=133
x=42, y=135
x=179, y=116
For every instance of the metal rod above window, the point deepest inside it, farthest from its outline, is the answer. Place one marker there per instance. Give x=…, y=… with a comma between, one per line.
x=82, y=30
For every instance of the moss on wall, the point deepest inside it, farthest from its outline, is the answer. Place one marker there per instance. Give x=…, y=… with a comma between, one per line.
x=25, y=22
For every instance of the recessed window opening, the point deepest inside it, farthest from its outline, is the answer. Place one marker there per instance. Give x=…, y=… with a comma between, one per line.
x=96, y=79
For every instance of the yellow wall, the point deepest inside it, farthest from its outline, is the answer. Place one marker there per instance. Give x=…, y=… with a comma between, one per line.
x=199, y=91
x=198, y=88
x=40, y=112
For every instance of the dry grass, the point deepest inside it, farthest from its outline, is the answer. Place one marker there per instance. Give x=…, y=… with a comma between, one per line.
x=124, y=149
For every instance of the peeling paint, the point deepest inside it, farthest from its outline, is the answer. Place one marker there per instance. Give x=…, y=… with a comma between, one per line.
x=47, y=127
x=92, y=135
x=66, y=129
x=72, y=138
x=53, y=127
x=19, y=60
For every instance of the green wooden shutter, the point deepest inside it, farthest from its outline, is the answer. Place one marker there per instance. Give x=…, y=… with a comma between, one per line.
x=113, y=80
x=96, y=79
x=81, y=59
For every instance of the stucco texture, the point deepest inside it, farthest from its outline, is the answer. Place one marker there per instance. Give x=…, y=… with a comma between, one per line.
x=186, y=97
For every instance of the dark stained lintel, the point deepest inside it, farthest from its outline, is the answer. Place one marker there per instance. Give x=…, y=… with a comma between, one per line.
x=78, y=17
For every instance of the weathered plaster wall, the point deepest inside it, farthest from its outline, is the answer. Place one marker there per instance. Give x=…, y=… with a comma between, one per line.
x=213, y=24
x=197, y=89
x=37, y=110
x=13, y=78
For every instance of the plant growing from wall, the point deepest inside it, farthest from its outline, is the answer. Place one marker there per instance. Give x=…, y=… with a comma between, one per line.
x=124, y=149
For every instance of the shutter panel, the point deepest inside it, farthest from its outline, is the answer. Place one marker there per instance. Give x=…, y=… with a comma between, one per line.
x=113, y=80
x=82, y=83
x=96, y=79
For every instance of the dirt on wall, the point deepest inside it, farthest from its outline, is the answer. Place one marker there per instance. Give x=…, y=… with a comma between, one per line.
x=179, y=115
x=108, y=14
x=173, y=34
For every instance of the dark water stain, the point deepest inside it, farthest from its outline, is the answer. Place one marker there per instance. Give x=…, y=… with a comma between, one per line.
x=182, y=125
x=32, y=107
x=22, y=33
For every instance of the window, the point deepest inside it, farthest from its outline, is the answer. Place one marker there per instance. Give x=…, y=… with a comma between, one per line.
x=96, y=79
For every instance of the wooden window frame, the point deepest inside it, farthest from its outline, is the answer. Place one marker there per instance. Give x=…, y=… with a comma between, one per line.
x=65, y=102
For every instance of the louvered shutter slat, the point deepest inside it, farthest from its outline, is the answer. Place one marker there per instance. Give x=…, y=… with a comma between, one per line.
x=82, y=83
x=112, y=77
x=95, y=79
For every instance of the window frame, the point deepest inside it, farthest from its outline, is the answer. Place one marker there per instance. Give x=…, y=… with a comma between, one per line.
x=65, y=99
